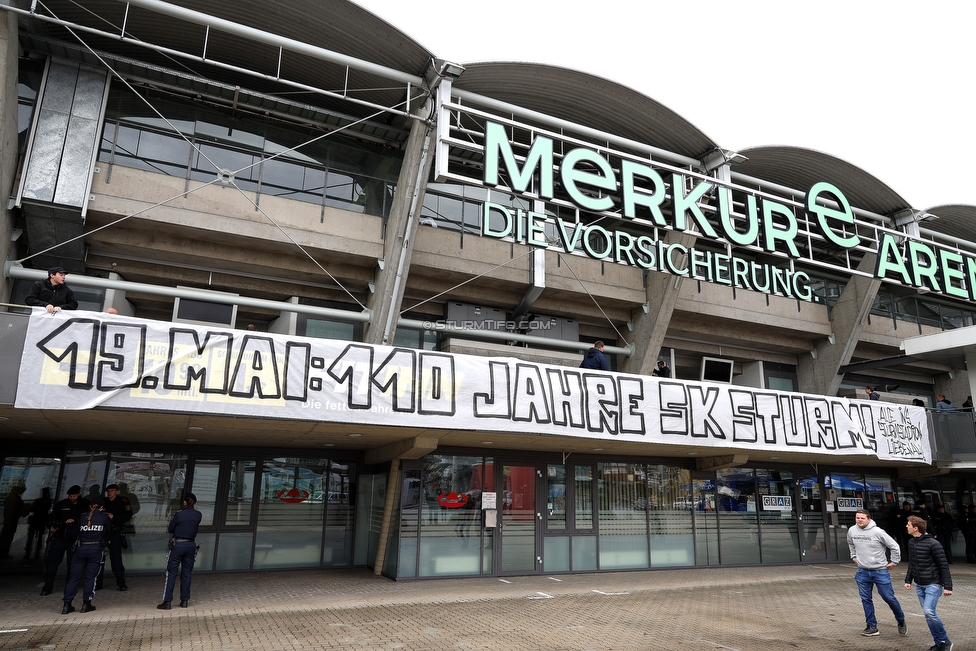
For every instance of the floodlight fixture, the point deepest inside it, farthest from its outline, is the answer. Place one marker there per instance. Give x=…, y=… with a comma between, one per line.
x=438, y=69
x=719, y=157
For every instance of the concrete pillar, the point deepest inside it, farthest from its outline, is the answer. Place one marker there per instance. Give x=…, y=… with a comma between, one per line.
x=8, y=138
x=401, y=229
x=818, y=371
x=650, y=327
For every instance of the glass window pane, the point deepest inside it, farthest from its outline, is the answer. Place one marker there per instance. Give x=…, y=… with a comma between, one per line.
x=556, y=499
x=340, y=186
x=240, y=492
x=670, y=504
x=85, y=468
x=777, y=516
x=583, y=497
x=410, y=512
x=281, y=174
x=323, y=329
x=340, y=514
x=738, y=523
x=209, y=156
x=556, y=554
x=518, y=518
x=584, y=553
x=167, y=149
x=127, y=141
x=706, y=522
x=623, y=515
x=153, y=483
x=27, y=528
x=406, y=338
x=812, y=533
x=234, y=551
x=205, y=474
x=291, y=508
x=450, y=525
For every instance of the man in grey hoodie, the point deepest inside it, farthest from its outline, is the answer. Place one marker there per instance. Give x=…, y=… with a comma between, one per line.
x=868, y=542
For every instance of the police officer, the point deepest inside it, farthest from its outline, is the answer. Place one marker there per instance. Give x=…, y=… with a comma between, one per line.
x=119, y=509
x=182, y=552
x=92, y=529
x=63, y=515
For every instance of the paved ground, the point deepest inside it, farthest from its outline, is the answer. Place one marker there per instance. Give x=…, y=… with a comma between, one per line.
x=731, y=609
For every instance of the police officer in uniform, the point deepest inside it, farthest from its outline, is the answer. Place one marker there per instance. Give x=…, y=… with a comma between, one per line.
x=61, y=541
x=182, y=552
x=119, y=509
x=92, y=529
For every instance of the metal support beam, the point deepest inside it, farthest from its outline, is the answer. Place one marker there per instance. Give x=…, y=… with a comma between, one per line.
x=11, y=270
x=289, y=44
x=16, y=271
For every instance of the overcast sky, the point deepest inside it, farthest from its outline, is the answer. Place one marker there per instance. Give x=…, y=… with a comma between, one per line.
x=886, y=86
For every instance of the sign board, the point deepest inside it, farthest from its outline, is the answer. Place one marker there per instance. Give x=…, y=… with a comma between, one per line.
x=777, y=503
x=850, y=504
x=633, y=198
x=489, y=501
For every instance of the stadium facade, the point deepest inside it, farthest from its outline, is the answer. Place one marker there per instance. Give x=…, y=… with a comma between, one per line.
x=354, y=282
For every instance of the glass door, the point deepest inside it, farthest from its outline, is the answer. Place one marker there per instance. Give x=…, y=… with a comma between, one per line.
x=225, y=489
x=777, y=516
x=813, y=531
x=520, y=518
x=705, y=520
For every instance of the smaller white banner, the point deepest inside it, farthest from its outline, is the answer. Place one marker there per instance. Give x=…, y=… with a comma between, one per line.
x=849, y=503
x=488, y=501
x=777, y=503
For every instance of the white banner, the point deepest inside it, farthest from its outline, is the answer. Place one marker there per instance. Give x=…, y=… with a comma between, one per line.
x=86, y=360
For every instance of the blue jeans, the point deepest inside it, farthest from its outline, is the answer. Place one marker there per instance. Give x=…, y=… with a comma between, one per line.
x=881, y=578
x=928, y=596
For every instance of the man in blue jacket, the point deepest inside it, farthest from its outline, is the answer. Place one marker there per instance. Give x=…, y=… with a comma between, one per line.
x=595, y=359
x=928, y=568
x=182, y=552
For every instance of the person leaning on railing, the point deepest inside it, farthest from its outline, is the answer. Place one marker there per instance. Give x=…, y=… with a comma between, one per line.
x=52, y=294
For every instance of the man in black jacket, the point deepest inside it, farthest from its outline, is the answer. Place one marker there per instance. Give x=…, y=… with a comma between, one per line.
x=52, y=294
x=928, y=568
x=119, y=509
x=62, y=537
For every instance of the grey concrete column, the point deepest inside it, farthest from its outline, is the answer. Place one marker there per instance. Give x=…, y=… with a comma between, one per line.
x=818, y=371
x=650, y=327
x=401, y=229
x=8, y=138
